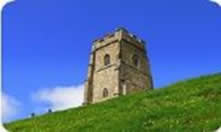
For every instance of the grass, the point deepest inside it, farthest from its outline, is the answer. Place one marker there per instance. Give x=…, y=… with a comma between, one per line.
x=189, y=106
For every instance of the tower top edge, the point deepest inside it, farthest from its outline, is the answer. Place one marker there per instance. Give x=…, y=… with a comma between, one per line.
x=119, y=30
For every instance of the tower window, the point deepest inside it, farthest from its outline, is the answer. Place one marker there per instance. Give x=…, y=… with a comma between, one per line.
x=135, y=60
x=107, y=59
x=105, y=93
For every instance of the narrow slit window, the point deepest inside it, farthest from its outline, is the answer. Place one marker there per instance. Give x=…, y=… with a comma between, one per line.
x=107, y=59
x=105, y=93
x=135, y=60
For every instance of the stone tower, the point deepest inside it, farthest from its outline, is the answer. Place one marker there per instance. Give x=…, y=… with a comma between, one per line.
x=118, y=66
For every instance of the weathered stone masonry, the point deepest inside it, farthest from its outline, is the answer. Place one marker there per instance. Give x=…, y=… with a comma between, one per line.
x=118, y=66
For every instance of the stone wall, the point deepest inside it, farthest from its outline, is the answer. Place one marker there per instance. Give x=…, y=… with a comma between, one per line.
x=136, y=78
x=106, y=76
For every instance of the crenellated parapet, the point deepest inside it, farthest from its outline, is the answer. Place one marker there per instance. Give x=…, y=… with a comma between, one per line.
x=120, y=34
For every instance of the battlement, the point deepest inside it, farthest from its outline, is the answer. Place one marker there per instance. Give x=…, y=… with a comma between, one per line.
x=118, y=35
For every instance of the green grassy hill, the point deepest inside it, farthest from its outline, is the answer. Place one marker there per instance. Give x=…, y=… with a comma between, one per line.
x=192, y=105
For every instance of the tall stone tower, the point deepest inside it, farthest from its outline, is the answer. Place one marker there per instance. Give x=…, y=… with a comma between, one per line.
x=118, y=66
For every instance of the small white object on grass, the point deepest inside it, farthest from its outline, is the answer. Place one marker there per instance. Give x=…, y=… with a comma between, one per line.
x=218, y=130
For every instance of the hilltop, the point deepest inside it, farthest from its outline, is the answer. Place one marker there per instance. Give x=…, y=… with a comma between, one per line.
x=191, y=105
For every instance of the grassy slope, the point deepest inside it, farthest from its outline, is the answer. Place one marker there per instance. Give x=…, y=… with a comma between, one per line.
x=193, y=105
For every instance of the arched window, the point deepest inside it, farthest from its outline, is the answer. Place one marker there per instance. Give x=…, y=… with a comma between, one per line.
x=135, y=60
x=105, y=93
x=106, y=59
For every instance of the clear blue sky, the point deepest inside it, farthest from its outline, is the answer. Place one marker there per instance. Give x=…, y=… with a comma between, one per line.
x=47, y=42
